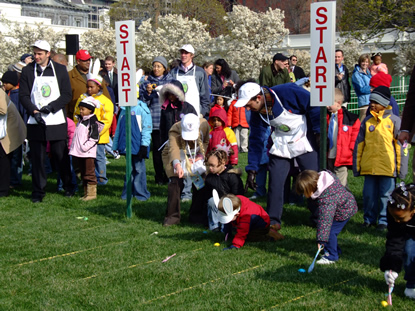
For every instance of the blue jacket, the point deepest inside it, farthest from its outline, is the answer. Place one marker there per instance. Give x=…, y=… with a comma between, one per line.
x=294, y=99
x=152, y=100
x=14, y=97
x=360, y=81
x=141, y=129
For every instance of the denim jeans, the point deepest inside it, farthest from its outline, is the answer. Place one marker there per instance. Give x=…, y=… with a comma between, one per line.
x=261, y=179
x=212, y=225
x=376, y=192
x=100, y=165
x=108, y=149
x=409, y=263
x=138, y=180
x=187, y=190
x=332, y=248
x=74, y=180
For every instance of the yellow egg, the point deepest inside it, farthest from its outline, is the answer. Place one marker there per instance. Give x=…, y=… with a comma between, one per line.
x=384, y=303
x=216, y=244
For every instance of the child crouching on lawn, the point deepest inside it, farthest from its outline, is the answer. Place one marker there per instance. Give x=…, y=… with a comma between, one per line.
x=84, y=145
x=400, y=240
x=335, y=205
x=250, y=219
x=141, y=128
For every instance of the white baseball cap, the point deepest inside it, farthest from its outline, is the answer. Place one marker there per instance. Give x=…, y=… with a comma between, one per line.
x=42, y=45
x=188, y=48
x=190, y=126
x=246, y=92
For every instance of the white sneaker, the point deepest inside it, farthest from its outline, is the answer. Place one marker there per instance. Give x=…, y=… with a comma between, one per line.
x=324, y=261
x=117, y=157
x=410, y=292
x=254, y=197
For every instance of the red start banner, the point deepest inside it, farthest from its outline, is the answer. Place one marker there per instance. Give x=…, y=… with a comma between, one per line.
x=322, y=50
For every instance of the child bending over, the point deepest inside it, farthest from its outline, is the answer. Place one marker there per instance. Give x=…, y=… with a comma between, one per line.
x=400, y=240
x=251, y=221
x=335, y=204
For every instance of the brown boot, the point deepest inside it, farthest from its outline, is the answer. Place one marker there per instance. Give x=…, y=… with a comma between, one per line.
x=91, y=193
x=274, y=234
x=85, y=192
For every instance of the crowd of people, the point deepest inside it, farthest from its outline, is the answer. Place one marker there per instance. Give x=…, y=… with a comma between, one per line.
x=197, y=120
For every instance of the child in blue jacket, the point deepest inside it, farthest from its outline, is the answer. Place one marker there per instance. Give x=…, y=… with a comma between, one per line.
x=141, y=128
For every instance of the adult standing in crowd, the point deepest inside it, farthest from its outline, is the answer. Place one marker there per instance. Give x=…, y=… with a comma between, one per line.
x=297, y=70
x=408, y=117
x=276, y=73
x=223, y=78
x=194, y=80
x=342, y=75
x=112, y=75
x=44, y=92
x=208, y=67
x=12, y=136
x=360, y=78
x=294, y=123
x=77, y=78
x=158, y=76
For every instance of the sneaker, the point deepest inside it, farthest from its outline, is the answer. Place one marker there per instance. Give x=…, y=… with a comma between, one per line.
x=325, y=261
x=381, y=227
x=117, y=157
x=186, y=199
x=107, y=162
x=410, y=292
x=254, y=197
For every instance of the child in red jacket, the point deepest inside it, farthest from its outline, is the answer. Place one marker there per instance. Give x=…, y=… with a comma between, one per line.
x=237, y=120
x=250, y=219
x=342, y=130
x=222, y=136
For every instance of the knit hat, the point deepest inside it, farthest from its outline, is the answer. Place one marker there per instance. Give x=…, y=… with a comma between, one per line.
x=190, y=126
x=18, y=67
x=381, y=95
x=10, y=77
x=90, y=103
x=24, y=56
x=381, y=78
x=161, y=60
x=279, y=56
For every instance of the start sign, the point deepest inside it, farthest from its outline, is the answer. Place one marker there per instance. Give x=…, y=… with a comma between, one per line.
x=125, y=40
x=322, y=36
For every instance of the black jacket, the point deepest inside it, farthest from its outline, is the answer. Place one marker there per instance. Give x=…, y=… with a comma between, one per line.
x=343, y=84
x=398, y=234
x=170, y=116
x=298, y=73
x=52, y=132
x=229, y=181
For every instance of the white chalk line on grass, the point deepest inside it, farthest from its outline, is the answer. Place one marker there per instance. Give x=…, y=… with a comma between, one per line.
x=128, y=267
x=199, y=285
x=315, y=292
x=67, y=254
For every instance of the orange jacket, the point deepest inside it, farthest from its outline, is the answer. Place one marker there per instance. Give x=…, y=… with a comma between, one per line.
x=236, y=116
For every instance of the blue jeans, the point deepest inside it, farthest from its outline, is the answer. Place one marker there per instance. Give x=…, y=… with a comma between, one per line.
x=100, y=165
x=108, y=148
x=59, y=181
x=187, y=190
x=331, y=248
x=212, y=225
x=261, y=180
x=138, y=180
x=16, y=167
x=409, y=264
x=376, y=192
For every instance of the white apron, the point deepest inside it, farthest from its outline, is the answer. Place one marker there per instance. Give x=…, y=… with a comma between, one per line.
x=191, y=92
x=44, y=91
x=290, y=134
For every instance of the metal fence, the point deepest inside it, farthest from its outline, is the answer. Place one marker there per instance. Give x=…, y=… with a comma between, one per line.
x=399, y=89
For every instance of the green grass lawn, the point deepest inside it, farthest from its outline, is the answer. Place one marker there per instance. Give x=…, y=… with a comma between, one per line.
x=65, y=254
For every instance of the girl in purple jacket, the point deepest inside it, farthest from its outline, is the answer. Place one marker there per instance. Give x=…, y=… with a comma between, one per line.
x=84, y=145
x=335, y=204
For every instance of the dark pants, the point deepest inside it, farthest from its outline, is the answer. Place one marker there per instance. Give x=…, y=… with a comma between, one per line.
x=174, y=189
x=16, y=166
x=59, y=151
x=5, y=160
x=87, y=167
x=157, y=161
x=279, y=169
x=332, y=247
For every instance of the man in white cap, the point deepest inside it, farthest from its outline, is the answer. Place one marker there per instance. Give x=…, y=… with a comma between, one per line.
x=286, y=108
x=196, y=90
x=45, y=90
x=194, y=80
